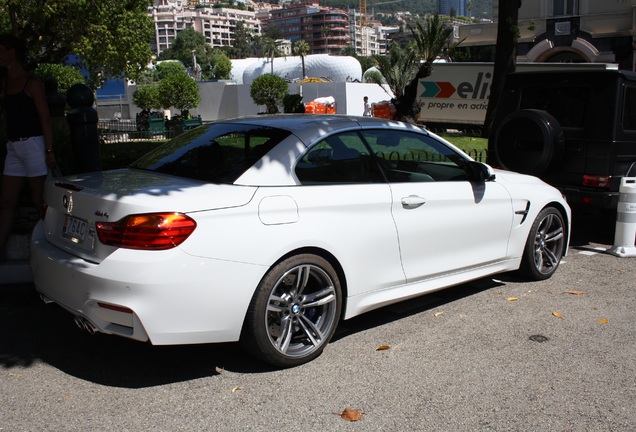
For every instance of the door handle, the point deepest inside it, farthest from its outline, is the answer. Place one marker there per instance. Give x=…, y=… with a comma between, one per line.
x=413, y=201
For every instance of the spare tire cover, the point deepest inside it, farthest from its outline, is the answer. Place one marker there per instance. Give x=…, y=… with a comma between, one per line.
x=529, y=141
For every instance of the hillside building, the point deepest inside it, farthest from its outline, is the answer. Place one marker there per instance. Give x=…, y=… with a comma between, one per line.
x=217, y=24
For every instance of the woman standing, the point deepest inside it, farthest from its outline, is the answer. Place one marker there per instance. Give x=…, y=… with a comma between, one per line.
x=27, y=120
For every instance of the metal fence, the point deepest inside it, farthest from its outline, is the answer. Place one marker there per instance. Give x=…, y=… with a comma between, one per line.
x=117, y=131
x=478, y=155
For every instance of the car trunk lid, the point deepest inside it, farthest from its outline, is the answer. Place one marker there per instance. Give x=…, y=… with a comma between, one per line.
x=75, y=204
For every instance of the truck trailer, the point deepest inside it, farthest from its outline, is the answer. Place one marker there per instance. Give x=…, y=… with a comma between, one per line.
x=455, y=95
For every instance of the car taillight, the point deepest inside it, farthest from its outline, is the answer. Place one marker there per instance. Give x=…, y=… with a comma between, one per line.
x=153, y=231
x=596, y=181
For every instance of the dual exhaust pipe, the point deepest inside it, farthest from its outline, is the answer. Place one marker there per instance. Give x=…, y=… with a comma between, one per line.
x=81, y=322
x=85, y=325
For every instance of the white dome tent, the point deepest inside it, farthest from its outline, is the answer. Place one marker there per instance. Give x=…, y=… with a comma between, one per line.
x=334, y=68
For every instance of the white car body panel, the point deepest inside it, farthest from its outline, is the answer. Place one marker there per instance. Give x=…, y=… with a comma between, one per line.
x=434, y=235
x=160, y=296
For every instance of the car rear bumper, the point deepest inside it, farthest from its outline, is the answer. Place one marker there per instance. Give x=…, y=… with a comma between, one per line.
x=165, y=297
x=590, y=197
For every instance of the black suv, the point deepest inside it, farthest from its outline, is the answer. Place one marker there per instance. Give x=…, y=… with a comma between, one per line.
x=576, y=130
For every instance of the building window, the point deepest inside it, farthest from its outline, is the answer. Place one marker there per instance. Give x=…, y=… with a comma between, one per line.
x=565, y=7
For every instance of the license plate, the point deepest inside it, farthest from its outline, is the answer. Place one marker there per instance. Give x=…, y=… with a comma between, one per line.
x=74, y=229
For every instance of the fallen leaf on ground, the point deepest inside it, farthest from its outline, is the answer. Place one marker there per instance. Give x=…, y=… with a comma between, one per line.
x=382, y=348
x=235, y=389
x=512, y=299
x=350, y=414
x=558, y=314
x=438, y=314
x=575, y=292
x=603, y=321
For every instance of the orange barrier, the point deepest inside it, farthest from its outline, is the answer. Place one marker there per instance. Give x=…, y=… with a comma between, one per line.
x=383, y=109
x=321, y=106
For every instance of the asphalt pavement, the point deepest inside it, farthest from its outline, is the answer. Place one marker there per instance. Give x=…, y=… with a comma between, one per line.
x=498, y=354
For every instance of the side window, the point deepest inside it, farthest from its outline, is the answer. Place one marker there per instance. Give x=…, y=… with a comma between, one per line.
x=412, y=157
x=629, y=110
x=338, y=159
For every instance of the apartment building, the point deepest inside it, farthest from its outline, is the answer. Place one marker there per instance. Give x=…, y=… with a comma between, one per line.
x=574, y=31
x=326, y=30
x=217, y=24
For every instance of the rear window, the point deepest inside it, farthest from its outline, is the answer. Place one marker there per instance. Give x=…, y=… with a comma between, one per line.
x=566, y=104
x=218, y=153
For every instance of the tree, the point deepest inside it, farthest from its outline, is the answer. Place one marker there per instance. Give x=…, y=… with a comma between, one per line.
x=397, y=69
x=66, y=76
x=293, y=103
x=403, y=69
x=167, y=68
x=221, y=65
x=147, y=97
x=269, y=90
x=301, y=48
x=349, y=50
x=270, y=50
x=179, y=91
x=326, y=32
x=366, y=62
x=242, y=43
x=188, y=44
x=505, y=55
x=109, y=38
x=373, y=76
x=189, y=47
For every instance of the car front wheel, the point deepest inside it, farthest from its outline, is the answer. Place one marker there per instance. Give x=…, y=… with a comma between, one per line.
x=294, y=311
x=544, y=246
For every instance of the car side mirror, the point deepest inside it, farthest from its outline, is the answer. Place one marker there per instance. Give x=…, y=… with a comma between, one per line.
x=479, y=172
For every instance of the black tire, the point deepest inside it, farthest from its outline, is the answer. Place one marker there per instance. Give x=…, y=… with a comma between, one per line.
x=294, y=312
x=544, y=246
x=530, y=142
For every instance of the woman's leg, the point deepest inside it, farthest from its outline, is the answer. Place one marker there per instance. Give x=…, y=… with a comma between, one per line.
x=9, y=193
x=36, y=184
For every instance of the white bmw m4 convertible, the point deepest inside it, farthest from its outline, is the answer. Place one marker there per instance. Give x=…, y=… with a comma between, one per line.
x=269, y=230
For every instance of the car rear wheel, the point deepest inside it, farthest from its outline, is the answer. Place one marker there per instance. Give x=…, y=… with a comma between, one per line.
x=544, y=246
x=294, y=311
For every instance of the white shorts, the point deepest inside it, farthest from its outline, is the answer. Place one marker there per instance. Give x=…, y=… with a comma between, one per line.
x=26, y=158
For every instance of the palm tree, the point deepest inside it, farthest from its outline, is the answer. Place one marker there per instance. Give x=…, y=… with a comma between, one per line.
x=270, y=50
x=301, y=48
x=326, y=31
x=403, y=70
x=397, y=69
x=431, y=41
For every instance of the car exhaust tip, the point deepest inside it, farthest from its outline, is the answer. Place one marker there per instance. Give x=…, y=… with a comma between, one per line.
x=85, y=325
x=45, y=299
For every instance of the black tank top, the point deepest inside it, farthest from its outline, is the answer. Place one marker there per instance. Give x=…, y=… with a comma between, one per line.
x=21, y=114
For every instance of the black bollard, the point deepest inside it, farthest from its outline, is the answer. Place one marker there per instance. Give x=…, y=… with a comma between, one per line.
x=82, y=121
